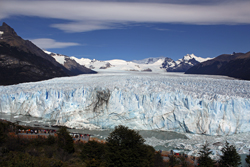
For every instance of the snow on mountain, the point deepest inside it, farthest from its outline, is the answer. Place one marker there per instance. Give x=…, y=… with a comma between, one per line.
x=145, y=101
x=70, y=64
x=82, y=61
x=47, y=52
x=1, y=33
x=159, y=64
x=185, y=63
x=59, y=58
x=120, y=65
x=150, y=64
x=189, y=57
x=168, y=63
x=150, y=60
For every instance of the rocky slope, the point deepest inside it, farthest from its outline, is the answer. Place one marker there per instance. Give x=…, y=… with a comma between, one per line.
x=234, y=65
x=70, y=64
x=22, y=61
x=10, y=37
x=18, y=66
x=183, y=64
x=238, y=68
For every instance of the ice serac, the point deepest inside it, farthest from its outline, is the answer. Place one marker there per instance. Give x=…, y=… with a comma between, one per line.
x=177, y=102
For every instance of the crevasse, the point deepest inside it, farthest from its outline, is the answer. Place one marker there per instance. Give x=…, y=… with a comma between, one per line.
x=203, y=105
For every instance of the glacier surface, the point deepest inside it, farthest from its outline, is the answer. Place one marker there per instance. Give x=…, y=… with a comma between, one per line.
x=212, y=105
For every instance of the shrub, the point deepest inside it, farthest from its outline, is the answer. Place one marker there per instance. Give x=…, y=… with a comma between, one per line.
x=248, y=160
x=16, y=159
x=158, y=160
x=93, y=150
x=204, y=159
x=3, y=133
x=230, y=156
x=65, y=141
x=39, y=141
x=173, y=161
x=126, y=148
x=51, y=140
x=49, y=151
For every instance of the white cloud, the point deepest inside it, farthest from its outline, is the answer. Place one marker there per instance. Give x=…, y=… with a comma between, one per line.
x=47, y=43
x=87, y=16
x=84, y=26
x=162, y=29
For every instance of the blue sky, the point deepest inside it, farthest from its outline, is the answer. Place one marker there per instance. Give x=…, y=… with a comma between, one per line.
x=132, y=30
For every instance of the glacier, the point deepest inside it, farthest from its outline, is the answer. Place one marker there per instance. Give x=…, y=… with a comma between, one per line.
x=198, y=104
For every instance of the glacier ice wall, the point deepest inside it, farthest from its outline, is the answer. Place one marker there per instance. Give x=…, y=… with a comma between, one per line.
x=177, y=102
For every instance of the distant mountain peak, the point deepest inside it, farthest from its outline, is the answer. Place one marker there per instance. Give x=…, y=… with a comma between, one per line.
x=183, y=64
x=155, y=64
x=189, y=56
x=150, y=60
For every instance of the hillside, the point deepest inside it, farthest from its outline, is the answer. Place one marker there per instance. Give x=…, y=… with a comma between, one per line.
x=22, y=61
x=70, y=64
x=17, y=66
x=235, y=65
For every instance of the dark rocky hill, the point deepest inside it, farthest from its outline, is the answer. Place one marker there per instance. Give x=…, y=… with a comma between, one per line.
x=238, y=68
x=22, y=61
x=10, y=37
x=18, y=66
x=234, y=65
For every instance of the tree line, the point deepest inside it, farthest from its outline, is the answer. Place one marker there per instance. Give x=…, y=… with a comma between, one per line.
x=123, y=148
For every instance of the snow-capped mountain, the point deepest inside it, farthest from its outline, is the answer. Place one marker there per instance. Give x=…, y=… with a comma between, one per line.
x=149, y=64
x=120, y=65
x=150, y=60
x=159, y=64
x=70, y=64
x=183, y=64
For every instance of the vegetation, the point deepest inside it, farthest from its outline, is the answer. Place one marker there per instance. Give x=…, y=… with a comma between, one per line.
x=248, y=160
x=39, y=152
x=173, y=161
x=2, y=132
x=158, y=160
x=204, y=159
x=123, y=147
x=93, y=153
x=230, y=156
x=65, y=141
x=126, y=148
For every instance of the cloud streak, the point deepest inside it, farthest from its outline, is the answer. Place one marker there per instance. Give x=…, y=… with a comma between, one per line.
x=47, y=43
x=88, y=16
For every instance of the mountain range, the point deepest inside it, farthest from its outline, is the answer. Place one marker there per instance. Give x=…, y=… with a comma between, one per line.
x=22, y=61
x=160, y=64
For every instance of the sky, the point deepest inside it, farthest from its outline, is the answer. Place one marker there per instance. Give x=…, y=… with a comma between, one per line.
x=132, y=29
